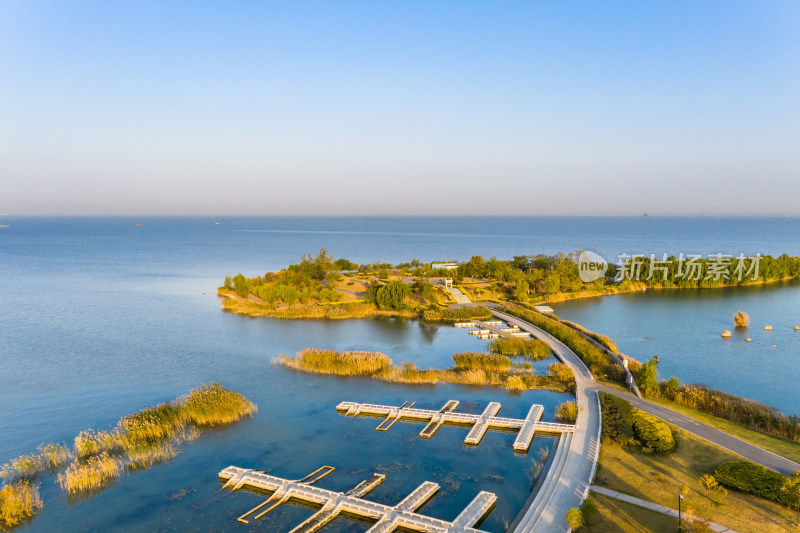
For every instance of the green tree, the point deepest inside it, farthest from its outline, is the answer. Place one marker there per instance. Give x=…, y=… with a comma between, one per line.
x=392, y=295
x=646, y=378
x=240, y=285
x=228, y=283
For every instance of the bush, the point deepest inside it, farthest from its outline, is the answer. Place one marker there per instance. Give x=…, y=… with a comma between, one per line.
x=741, y=319
x=567, y=412
x=561, y=372
x=447, y=314
x=654, y=434
x=18, y=502
x=759, y=481
x=617, y=419
x=533, y=349
x=575, y=518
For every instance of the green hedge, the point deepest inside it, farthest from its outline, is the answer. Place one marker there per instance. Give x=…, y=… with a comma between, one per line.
x=454, y=315
x=654, y=434
x=598, y=361
x=758, y=480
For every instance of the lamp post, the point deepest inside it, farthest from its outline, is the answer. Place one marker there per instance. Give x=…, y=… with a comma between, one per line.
x=680, y=520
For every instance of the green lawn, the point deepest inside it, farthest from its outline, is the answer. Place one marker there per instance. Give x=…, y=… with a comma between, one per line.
x=659, y=479
x=607, y=515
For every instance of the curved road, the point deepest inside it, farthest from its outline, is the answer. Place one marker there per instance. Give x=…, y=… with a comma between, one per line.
x=577, y=456
x=729, y=442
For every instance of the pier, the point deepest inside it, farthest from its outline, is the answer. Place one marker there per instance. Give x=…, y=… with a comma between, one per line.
x=489, y=329
x=387, y=518
x=527, y=427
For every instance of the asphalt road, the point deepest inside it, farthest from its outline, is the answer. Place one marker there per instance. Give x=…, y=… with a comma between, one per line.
x=729, y=442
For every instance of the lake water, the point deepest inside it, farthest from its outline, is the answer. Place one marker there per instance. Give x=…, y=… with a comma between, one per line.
x=101, y=318
x=683, y=328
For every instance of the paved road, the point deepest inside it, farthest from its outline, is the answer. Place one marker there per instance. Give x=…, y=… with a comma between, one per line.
x=460, y=297
x=729, y=442
x=652, y=506
x=572, y=471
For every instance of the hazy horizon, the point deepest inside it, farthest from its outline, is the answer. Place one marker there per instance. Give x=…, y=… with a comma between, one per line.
x=310, y=108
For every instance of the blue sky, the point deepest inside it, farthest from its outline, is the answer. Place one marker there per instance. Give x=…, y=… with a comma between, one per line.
x=266, y=108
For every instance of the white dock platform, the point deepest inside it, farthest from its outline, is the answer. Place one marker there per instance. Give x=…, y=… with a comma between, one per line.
x=387, y=518
x=481, y=423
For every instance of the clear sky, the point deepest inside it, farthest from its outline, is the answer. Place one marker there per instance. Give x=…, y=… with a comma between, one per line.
x=431, y=107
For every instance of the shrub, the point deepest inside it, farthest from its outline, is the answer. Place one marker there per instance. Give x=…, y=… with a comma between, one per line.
x=617, y=419
x=741, y=319
x=561, y=372
x=575, y=518
x=18, y=502
x=447, y=314
x=533, y=349
x=654, y=434
x=567, y=412
x=758, y=480
x=482, y=361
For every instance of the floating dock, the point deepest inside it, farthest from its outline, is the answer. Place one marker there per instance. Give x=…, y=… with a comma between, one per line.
x=490, y=330
x=387, y=518
x=527, y=427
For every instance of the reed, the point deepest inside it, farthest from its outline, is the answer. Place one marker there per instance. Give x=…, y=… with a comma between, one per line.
x=153, y=424
x=143, y=458
x=27, y=467
x=477, y=369
x=89, y=443
x=481, y=361
x=92, y=474
x=18, y=502
x=214, y=405
x=341, y=363
x=533, y=349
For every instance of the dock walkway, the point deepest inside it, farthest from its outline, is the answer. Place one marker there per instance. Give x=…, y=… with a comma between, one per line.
x=527, y=427
x=387, y=518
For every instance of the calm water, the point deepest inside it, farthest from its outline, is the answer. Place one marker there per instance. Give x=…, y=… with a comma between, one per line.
x=101, y=318
x=683, y=328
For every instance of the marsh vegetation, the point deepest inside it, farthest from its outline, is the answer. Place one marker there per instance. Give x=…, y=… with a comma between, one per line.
x=470, y=368
x=97, y=458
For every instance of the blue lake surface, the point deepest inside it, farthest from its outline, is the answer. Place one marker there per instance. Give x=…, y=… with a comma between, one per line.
x=101, y=318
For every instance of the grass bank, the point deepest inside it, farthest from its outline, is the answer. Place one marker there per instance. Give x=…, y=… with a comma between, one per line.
x=660, y=478
x=470, y=369
x=607, y=515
